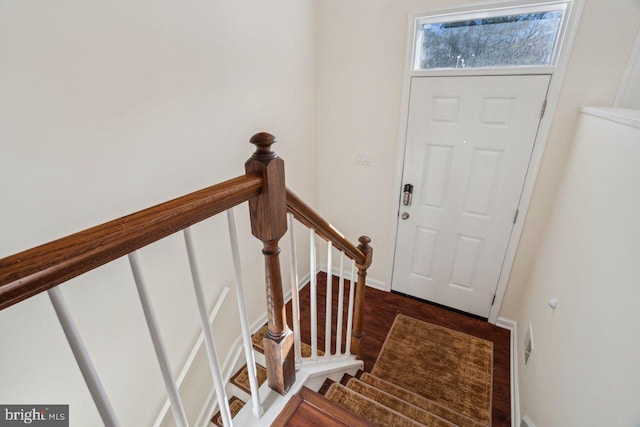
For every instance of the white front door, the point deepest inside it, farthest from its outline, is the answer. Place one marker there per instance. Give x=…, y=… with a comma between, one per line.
x=469, y=142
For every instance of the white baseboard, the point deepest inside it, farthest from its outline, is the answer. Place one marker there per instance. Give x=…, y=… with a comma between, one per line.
x=377, y=284
x=372, y=283
x=512, y=326
x=526, y=422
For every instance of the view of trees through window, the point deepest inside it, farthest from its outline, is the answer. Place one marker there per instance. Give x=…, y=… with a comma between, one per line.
x=512, y=40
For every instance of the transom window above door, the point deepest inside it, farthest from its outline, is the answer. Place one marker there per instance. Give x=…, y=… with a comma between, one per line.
x=506, y=37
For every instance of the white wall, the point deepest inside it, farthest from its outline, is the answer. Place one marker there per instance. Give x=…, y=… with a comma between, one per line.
x=584, y=369
x=600, y=53
x=108, y=107
x=361, y=48
x=629, y=92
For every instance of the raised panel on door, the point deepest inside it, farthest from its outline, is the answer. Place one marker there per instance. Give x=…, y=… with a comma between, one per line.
x=469, y=141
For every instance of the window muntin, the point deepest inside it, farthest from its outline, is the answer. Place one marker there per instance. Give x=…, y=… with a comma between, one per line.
x=498, y=39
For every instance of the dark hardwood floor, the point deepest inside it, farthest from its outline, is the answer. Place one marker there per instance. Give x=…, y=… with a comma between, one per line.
x=381, y=309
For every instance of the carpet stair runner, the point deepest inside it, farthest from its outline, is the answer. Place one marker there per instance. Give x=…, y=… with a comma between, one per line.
x=425, y=375
x=235, y=405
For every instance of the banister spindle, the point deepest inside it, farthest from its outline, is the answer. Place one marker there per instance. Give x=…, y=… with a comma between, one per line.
x=82, y=358
x=313, y=297
x=244, y=317
x=352, y=289
x=177, y=408
x=295, y=293
x=340, y=307
x=212, y=354
x=268, y=213
x=357, y=333
x=328, y=302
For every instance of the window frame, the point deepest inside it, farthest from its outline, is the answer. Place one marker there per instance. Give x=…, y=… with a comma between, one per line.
x=480, y=11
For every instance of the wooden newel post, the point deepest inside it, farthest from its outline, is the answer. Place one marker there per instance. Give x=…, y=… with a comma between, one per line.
x=269, y=223
x=357, y=333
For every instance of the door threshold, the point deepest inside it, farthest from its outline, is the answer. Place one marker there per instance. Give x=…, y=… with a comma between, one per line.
x=455, y=310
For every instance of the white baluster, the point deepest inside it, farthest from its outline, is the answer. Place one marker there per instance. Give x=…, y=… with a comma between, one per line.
x=194, y=353
x=327, y=321
x=313, y=292
x=82, y=358
x=177, y=408
x=340, y=307
x=295, y=297
x=214, y=365
x=352, y=288
x=244, y=317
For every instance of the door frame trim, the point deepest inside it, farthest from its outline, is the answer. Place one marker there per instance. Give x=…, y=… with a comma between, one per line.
x=574, y=10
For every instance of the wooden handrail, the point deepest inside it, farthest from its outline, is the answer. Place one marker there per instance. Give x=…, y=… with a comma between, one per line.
x=307, y=216
x=35, y=270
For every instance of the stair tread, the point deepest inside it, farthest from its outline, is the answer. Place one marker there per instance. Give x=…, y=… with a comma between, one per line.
x=325, y=386
x=345, y=378
x=419, y=401
x=241, y=378
x=401, y=406
x=256, y=339
x=235, y=405
x=308, y=408
x=368, y=408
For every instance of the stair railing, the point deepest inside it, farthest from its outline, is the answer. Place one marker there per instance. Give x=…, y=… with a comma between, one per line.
x=271, y=206
x=360, y=257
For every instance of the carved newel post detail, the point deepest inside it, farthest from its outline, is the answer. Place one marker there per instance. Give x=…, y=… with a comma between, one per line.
x=269, y=223
x=357, y=333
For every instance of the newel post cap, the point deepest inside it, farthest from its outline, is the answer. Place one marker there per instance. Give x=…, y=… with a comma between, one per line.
x=263, y=142
x=366, y=250
x=365, y=240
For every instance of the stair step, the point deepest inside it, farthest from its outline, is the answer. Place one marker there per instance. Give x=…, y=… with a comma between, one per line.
x=368, y=408
x=325, y=386
x=419, y=401
x=401, y=406
x=241, y=378
x=235, y=405
x=346, y=377
x=256, y=339
x=308, y=408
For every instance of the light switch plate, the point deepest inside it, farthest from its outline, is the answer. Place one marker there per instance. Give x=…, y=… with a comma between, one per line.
x=364, y=158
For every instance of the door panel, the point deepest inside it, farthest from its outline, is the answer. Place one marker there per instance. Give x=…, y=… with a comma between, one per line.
x=469, y=141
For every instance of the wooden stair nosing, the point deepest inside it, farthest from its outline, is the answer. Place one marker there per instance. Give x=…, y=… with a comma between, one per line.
x=325, y=386
x=345, y=378
x=308, y=408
